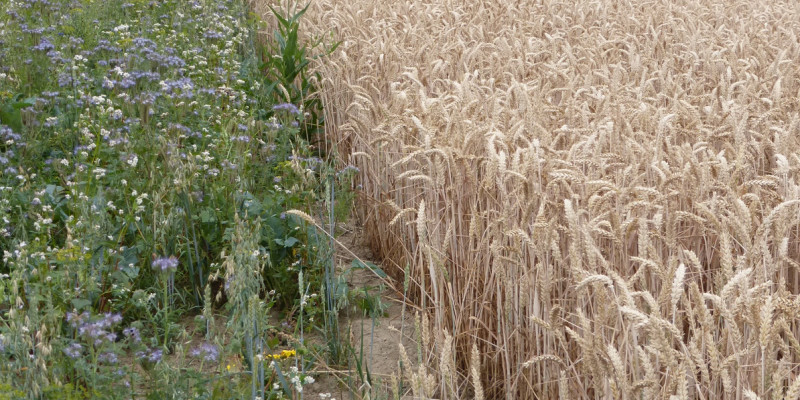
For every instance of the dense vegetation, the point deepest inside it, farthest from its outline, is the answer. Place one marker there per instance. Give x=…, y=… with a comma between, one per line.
x=150, y=153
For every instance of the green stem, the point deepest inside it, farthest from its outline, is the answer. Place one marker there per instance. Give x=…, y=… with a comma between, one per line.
x=166, y=313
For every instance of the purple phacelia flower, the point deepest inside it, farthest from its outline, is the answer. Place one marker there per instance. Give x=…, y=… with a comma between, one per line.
x=152, y=356
x=74, y=350
x=165, y=263
x=108, y=358
x=291, y=108
x=44, y=45
x=206, y=351
x=155, y=356
x=133, y=334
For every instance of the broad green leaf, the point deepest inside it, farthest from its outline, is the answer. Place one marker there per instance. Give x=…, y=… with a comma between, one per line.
x=368, y=265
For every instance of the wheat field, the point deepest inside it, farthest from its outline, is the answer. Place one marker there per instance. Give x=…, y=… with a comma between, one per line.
x=591, y=199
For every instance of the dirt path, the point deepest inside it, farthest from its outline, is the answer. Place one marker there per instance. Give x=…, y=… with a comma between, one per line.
x=381, y=336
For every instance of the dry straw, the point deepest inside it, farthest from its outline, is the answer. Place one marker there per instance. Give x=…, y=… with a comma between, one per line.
x=624, y=171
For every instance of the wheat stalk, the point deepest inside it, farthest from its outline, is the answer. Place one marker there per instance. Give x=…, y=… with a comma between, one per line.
x=548, y=149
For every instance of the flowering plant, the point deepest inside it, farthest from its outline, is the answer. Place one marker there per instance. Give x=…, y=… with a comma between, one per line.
x=135, y=137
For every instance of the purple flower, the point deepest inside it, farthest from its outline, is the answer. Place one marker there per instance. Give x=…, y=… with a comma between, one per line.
x=152, y=356
x=64, y=80
x=291, y=108
x=155, y=356
x=108, y=84
x=206, y=351
x=44, y=45
x=76, y=319
x=132, y=333
x=73, y=351
x=348, y=169
x=213, y=35
x=180, y=88
x=228, y=165
x=165, y=263
x=108, y=358
x=126, y=83
x=110, y=319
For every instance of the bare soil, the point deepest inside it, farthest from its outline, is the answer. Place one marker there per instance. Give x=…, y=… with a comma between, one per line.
x=380, y=337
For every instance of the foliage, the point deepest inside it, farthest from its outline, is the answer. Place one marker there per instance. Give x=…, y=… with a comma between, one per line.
x=146, y=170
x=285, y=65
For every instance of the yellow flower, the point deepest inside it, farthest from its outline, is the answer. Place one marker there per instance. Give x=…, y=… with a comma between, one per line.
x=229, y=367
x=288, y=353
x=282, y=355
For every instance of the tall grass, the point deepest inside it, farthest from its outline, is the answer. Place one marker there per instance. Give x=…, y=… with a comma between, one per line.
x=598, y=199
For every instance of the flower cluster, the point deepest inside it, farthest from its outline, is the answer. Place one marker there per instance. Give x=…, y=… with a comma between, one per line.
x=206, y=351
x=165, y=264
x=94, y=330
x=150, y=355
x=282, y=355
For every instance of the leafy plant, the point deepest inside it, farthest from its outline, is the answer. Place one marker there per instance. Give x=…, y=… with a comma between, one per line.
x=285, y=65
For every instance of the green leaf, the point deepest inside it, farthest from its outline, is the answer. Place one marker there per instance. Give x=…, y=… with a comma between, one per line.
x=30, y=101
x=80, y=304
x=357, y=264
x=121, y=277
x=11, y=117
x=208, y=216
x=300, y=13
x=289, y=242
x=282, y=380
x=282, y=20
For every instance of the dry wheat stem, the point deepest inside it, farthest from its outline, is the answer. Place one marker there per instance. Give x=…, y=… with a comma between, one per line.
x=611, y=183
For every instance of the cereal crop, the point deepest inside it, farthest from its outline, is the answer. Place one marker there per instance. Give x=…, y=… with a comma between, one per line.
x=589, y=199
